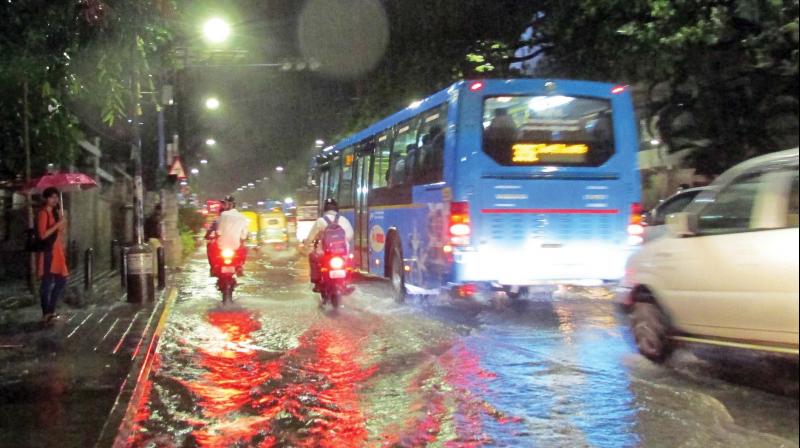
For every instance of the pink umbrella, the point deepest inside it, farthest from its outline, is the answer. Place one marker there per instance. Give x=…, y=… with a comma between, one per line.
x=64, y=182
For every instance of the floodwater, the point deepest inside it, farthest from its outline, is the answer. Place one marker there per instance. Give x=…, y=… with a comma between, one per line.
x=273, y=369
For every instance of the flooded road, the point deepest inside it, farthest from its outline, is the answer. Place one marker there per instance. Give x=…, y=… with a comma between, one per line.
x=274, y=370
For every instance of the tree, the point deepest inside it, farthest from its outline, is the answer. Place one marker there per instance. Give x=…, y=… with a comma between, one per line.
x=720, y=76
x=78, y=59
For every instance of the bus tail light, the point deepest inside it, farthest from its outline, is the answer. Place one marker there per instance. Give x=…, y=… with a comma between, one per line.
x=635, y=225
x=460, y=229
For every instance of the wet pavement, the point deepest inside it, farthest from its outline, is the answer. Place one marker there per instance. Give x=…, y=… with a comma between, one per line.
x=58, y=383
x=272, y=369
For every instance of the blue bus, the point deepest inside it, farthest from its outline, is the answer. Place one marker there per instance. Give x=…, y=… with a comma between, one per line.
x=493, y=184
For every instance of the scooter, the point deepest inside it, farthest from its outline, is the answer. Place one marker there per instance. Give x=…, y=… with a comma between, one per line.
x=225, y=266
x=335, y=276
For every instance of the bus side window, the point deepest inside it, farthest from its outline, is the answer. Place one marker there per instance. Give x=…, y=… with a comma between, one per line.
x=401, y=162
x=383, y=149
x=346, y=185
x=430, y=155
x=333, y=178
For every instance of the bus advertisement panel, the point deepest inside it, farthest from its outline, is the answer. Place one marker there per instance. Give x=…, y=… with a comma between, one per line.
x=496, y=184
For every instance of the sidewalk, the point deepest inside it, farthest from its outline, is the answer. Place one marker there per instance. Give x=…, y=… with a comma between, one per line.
x=59, y=383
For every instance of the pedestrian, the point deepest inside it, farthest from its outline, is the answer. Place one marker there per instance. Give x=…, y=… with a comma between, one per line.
x=152, y=232
x=52, y=261
x=152, y=226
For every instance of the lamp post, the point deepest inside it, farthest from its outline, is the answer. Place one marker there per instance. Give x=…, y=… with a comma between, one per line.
x=212, y=103
x=216, y=30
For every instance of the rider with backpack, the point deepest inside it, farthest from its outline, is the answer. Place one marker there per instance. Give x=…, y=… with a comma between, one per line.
x=334, y=234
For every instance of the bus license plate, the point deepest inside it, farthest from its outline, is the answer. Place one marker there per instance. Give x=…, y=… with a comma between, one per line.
x=338, y=274
x=228, y=269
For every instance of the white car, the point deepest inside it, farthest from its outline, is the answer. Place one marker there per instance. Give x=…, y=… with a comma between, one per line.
x=655, y=221
x=726, y=273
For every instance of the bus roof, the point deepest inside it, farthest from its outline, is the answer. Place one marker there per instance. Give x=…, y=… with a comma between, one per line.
x=442, y=96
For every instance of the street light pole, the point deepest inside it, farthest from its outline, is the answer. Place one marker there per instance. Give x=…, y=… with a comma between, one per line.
x=140, y=256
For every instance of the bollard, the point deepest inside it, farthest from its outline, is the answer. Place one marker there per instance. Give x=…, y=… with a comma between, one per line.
x=139, y=273
x=113, y=257
x=88, y=269
x=123, y=268
x=162, y=268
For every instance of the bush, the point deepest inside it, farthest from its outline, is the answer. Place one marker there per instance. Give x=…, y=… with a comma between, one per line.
x=187, y=241
x=191, y=220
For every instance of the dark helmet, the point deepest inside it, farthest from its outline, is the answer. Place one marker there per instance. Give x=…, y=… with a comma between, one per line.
x=331, y=205
x=230, y=200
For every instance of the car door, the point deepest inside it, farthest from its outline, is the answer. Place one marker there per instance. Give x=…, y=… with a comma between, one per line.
x=710, y=280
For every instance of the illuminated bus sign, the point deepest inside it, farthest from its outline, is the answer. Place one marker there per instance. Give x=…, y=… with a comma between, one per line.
x=533, y=152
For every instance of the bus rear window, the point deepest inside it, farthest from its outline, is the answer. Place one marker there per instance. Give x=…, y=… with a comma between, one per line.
x=549, y=130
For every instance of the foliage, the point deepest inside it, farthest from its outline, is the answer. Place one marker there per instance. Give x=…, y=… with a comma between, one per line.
x=189, y=219
x=78, y=58
x=188, y=243
x=720, y=76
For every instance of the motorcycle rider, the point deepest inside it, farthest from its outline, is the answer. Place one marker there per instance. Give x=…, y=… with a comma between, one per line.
x=229, y=231
x=331, y=212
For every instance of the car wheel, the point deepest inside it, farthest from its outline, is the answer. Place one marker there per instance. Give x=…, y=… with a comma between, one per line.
x=651, y=331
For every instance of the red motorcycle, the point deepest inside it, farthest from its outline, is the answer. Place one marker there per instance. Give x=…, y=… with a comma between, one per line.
x=226, y=264
x=336, y=273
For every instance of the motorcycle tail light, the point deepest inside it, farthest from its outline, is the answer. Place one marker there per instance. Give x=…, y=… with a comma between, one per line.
x=227, y=253
x=336, y=263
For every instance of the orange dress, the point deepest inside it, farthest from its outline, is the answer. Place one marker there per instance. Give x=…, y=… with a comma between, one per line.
x=58, y=265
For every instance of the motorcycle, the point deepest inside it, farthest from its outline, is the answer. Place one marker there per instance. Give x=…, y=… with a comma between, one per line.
x=335, y=276
x=225, y=265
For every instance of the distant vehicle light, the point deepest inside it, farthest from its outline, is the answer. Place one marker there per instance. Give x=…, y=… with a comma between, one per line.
x=477, y=86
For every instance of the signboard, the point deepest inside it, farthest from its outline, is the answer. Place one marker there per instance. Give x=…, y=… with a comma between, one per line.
x=176, y=169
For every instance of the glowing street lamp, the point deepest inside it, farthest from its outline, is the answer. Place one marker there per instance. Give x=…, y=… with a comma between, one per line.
x=203, y=162
x=195, y=171
x=216, y=30
x=211, y=142
x=279, y=169
x=212, y=103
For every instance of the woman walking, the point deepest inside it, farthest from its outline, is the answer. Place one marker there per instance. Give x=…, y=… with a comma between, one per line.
x=52, y=261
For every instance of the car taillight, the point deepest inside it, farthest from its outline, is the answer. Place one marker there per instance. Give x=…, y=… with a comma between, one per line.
x=460, y=229
x=635, y=225
x=336, y=263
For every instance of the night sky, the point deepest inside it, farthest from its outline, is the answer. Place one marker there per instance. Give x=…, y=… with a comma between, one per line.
x=269, y=116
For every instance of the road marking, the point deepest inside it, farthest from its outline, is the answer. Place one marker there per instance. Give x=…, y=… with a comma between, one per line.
x=71, y=317
x=80, y=325
x=107, y=333
x=766, y=348
x=103, y=318
x=127, y=330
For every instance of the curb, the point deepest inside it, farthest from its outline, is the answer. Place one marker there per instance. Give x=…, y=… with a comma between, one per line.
x=119, y=423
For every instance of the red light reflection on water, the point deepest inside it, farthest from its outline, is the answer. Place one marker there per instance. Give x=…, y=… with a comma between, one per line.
x=306, y=398
x=467, y=382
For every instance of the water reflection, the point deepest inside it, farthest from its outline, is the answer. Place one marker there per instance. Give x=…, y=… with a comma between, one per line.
x=305, y=398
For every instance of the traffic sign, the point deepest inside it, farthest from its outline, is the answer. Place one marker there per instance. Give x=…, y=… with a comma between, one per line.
x=176, y=168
